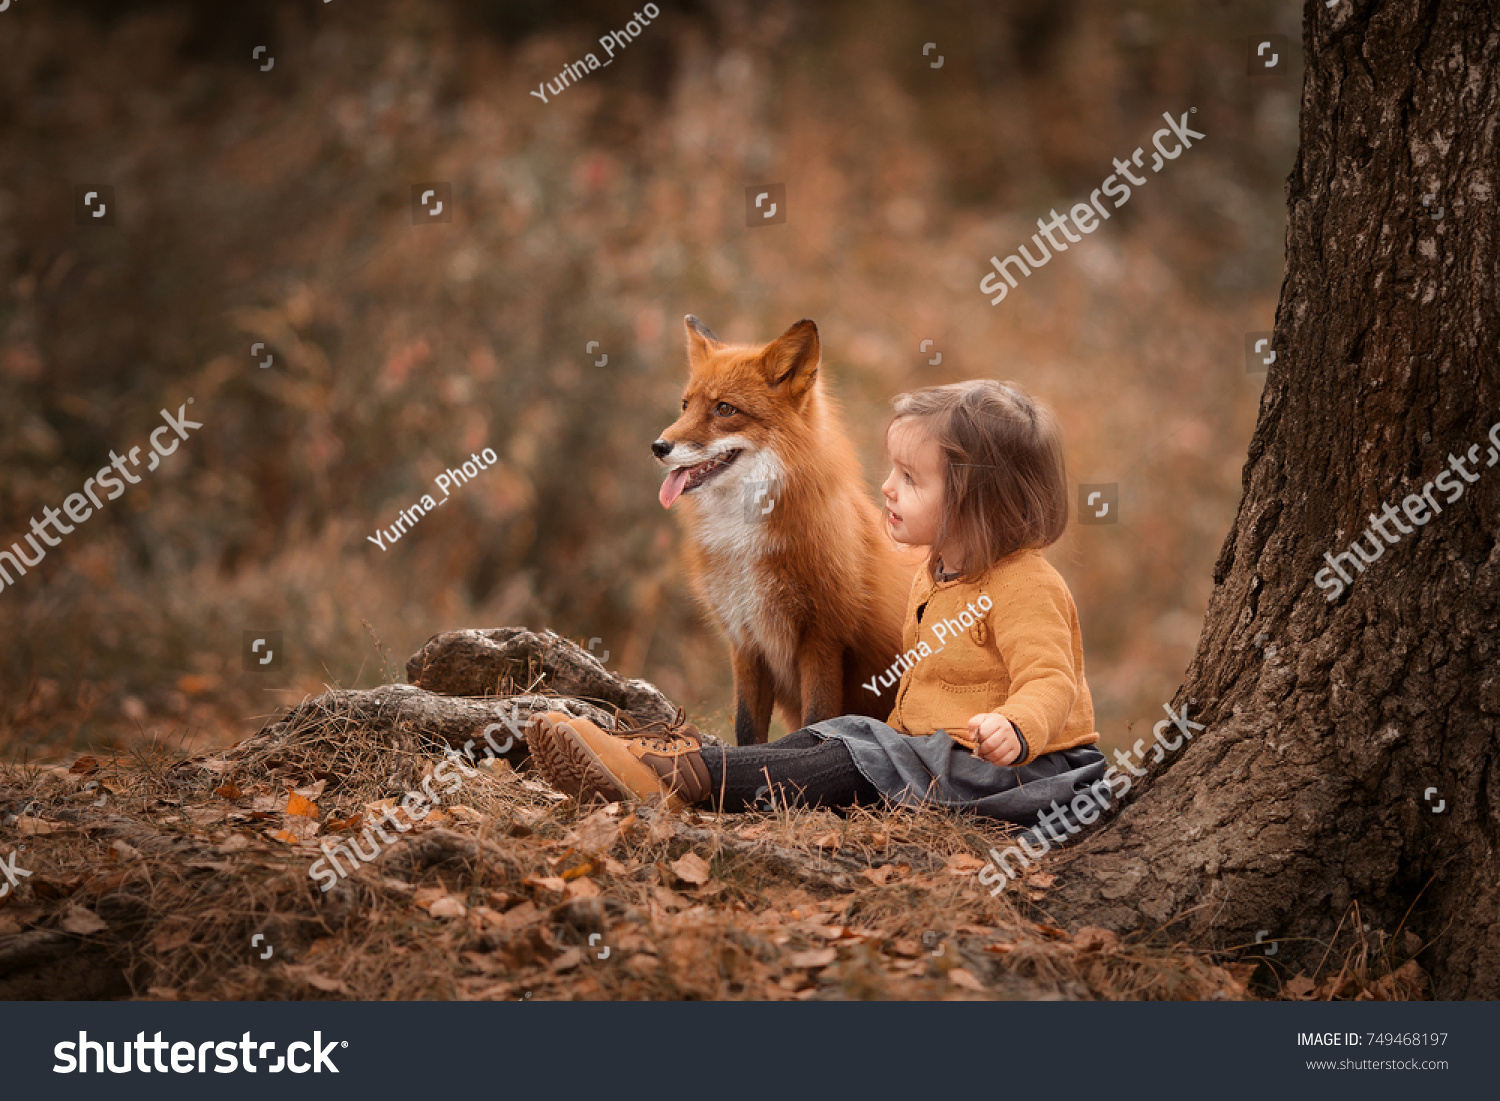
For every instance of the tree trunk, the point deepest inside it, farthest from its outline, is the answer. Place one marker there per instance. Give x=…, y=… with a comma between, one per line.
x=1330, y=722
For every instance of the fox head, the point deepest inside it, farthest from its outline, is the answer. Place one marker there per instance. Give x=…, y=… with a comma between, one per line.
x=745, y=410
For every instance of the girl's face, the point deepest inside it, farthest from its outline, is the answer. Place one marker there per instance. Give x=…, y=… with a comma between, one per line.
x=914, y=490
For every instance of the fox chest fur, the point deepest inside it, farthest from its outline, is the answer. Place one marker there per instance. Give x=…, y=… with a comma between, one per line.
x=784, y=546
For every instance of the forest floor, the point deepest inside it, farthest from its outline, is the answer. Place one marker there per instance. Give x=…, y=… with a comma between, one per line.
x=162, y=874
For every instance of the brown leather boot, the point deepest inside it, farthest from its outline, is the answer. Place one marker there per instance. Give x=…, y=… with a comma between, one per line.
x=659, y=760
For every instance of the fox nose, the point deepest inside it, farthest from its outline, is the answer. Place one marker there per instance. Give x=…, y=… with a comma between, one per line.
x=661, y=448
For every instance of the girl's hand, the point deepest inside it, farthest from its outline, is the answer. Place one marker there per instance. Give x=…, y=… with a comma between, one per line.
x=994, y=738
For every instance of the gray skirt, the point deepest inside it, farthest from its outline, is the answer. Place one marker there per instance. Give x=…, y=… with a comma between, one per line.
x=934, y=770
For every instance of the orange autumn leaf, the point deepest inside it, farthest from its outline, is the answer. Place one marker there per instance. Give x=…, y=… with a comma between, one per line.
x=299, y=804
x=228, y=791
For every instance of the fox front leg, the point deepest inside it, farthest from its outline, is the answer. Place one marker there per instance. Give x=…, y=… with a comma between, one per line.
x=754, y=696
x=822, y=687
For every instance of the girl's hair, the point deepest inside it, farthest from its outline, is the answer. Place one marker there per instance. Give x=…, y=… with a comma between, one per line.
x=1005, y=487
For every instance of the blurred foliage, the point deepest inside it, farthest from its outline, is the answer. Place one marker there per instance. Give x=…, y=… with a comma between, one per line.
x=276, y=207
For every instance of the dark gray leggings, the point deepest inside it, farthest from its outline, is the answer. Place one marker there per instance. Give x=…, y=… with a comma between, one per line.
x=800, y=769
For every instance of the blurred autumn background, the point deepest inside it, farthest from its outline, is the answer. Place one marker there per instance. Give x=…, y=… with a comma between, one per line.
x=276, y=207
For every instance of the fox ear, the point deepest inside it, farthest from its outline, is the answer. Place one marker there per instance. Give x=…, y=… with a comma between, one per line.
x=700, y=338
x=792, y=358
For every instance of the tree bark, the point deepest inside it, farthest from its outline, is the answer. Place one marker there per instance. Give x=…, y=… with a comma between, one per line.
x=1328, y=723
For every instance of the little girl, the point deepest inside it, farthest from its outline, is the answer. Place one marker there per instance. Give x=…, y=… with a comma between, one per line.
x=992, y=713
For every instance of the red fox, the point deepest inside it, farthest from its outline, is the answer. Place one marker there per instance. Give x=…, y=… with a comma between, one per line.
x=785, y=547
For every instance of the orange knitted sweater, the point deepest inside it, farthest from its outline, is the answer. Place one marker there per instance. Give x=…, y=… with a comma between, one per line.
x=1009, y=643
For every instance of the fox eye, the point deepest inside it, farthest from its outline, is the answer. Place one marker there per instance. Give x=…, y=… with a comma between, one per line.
x=724, y=409
x=684, y=405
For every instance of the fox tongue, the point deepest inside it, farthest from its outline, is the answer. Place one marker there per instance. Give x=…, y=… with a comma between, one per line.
x=671, y=489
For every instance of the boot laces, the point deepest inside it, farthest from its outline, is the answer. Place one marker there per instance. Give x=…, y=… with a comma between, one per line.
x=663, y=734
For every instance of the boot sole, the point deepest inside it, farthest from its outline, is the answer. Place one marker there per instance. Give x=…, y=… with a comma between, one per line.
x=569, y=765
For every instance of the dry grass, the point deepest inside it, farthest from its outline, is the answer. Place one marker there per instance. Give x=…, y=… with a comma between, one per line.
x=498, y=894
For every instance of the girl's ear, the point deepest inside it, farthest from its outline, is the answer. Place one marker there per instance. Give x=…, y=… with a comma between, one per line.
x=700, y=339
x=792, y=359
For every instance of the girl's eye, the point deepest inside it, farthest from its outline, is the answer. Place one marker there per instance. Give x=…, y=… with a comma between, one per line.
x=724, y=409
x=908, y=479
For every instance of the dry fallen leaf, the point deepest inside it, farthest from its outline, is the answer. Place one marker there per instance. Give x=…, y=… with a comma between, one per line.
x=55, y=888
x=84, y=764
x=813, y=957
x=1093, y=939
x=1300, y=987
x=285, y=836
x=303, y=829
x=119, y=850
x=614, y=867
x=228, y=791
x=1239, y=975
x=300, y=805
x=583, y=888
x=36, y=827
x=448, y=907
x=520, y=916
x=318, y=982
x=83, y=921
x=827, y=841
x=570, y=958
x=692, y=868
x=668, y=898
x=964, y=864
x=554, y=883
x=959, y=977
x=597, y=832
x=661, y=829
x=488, y=916
x=235, y=842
